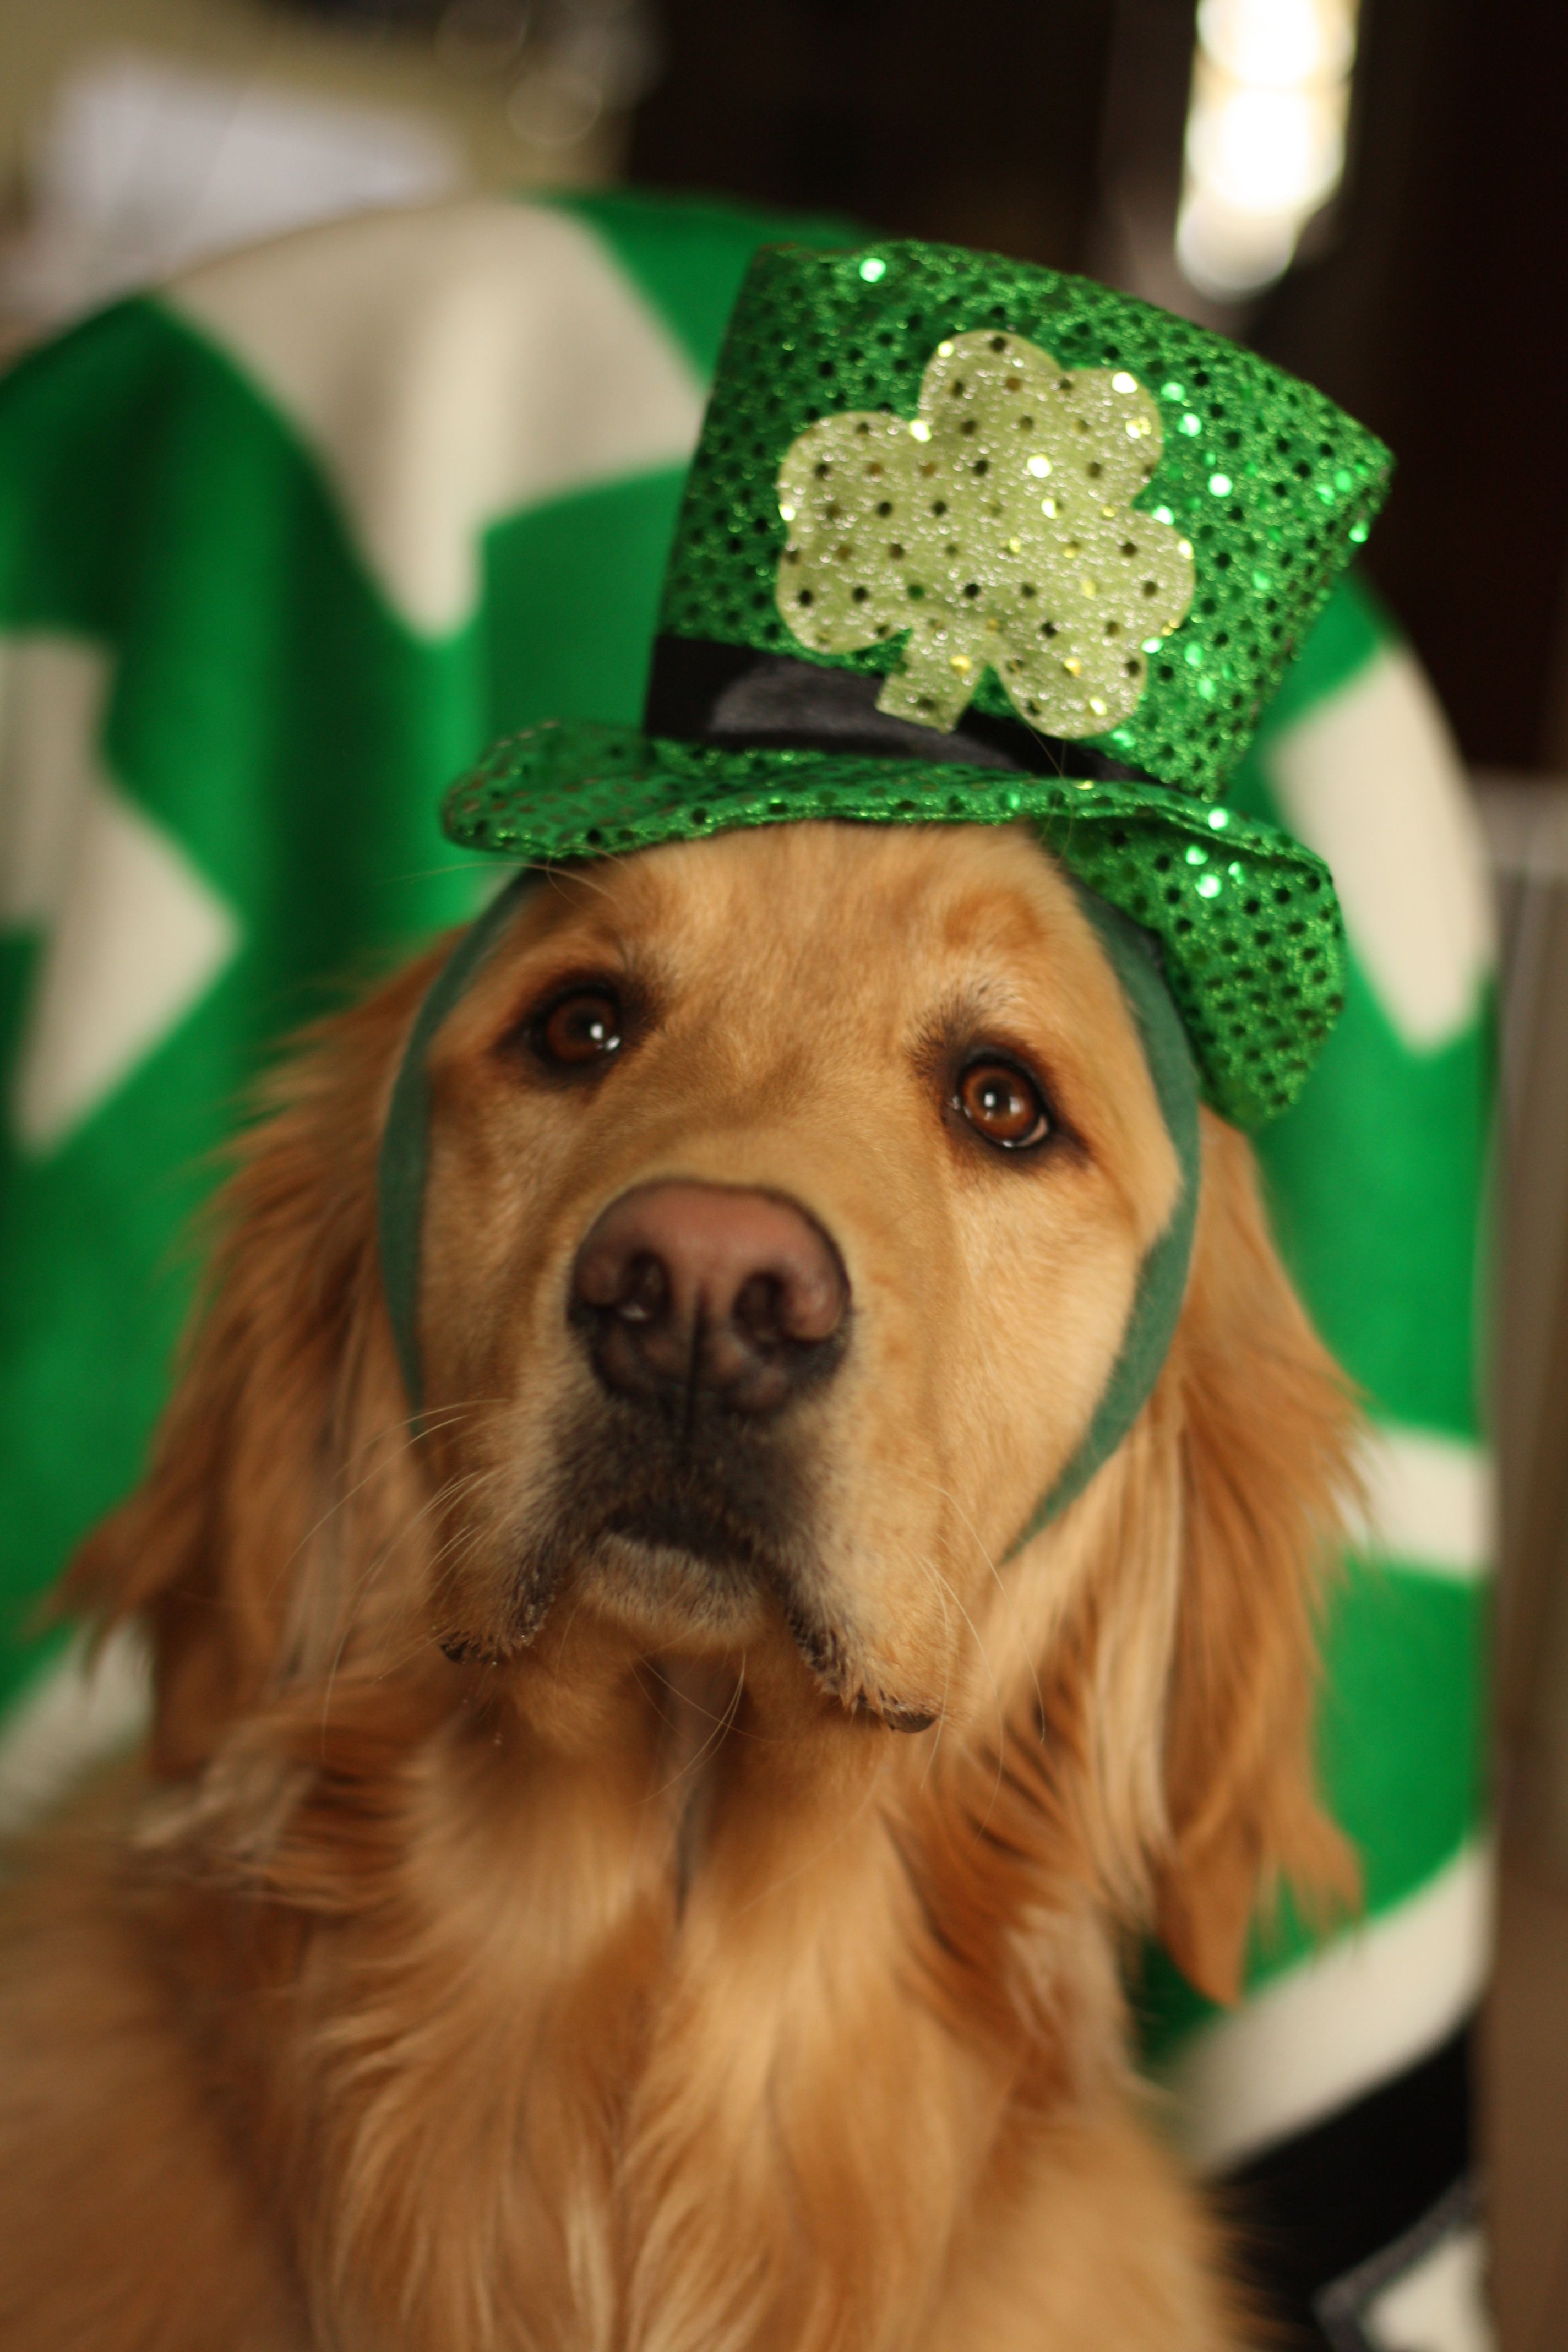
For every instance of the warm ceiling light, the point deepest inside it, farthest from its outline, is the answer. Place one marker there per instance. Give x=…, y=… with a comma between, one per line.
x=1278, y=43
x=1266, y=130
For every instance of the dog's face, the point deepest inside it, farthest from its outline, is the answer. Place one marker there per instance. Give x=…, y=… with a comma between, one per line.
x=788, y=1195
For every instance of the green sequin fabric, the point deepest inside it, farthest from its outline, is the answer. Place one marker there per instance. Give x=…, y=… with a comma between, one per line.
x=1269, y=482
x=988, y=485
x=1246, y=919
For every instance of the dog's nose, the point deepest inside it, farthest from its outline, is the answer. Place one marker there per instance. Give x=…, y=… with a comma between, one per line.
x=704, y=1293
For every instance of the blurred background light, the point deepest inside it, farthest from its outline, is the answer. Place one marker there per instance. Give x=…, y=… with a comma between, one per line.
x=143, y=166
x=1265, y=139
x=140, y=136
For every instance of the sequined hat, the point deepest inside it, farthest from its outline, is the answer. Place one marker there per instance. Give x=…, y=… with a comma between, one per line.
x=966, y=541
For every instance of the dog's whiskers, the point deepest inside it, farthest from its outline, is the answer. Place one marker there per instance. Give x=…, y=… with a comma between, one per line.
x=449, y=1417
x=1009, y=1596
x=711, y=1740
x=450, y=1491
x=944, y=1584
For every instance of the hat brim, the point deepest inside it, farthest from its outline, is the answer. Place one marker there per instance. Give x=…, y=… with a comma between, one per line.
x=1247, y=918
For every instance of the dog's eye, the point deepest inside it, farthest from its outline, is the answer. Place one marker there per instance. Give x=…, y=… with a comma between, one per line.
x=1002, y=1104
x=580, y=1027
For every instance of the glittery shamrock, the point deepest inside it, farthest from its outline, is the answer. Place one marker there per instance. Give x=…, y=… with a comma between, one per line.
x=997, y=529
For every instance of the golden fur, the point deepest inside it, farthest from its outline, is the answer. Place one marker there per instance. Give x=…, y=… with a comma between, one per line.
x=630, y=1983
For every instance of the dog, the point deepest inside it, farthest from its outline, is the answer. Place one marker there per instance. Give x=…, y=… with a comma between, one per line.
x=639, y=1858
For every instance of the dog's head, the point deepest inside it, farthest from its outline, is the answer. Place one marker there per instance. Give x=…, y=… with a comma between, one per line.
x=786, y=1203
x=787, y=1198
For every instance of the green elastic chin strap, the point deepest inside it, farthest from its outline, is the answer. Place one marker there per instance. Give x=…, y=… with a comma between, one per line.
x=1156, y=1305
x=405, y=1138
x=1163, y=1283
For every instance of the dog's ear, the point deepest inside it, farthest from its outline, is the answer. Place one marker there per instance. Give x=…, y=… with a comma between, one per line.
x=1266, y=1425
x=211, y=1550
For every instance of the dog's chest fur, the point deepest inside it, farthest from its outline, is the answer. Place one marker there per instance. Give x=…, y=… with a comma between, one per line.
x=660, y=2036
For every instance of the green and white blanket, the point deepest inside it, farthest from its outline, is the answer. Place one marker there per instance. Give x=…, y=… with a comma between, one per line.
x=281, y=548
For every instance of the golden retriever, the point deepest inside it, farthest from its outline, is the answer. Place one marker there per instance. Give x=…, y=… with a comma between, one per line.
x=638, y=1863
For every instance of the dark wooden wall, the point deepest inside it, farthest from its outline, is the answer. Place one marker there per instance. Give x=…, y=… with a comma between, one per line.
x=975, y=120
x=1442, y=318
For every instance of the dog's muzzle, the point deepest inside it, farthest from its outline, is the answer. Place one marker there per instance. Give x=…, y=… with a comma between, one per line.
x=694, y=1299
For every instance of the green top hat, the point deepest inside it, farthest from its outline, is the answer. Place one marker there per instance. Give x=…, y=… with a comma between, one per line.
x=969, y=541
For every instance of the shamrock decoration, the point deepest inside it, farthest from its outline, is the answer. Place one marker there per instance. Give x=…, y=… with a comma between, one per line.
x=997, y=529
